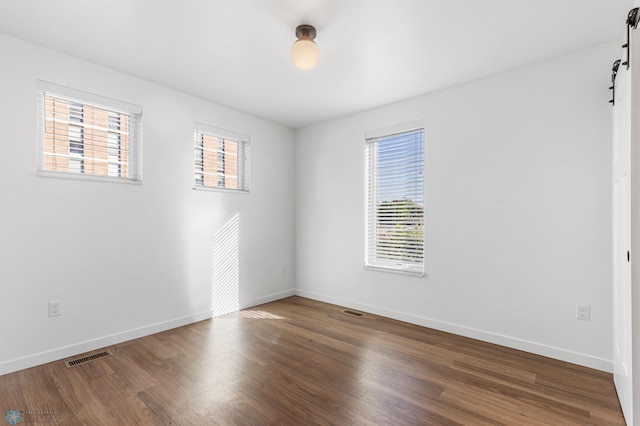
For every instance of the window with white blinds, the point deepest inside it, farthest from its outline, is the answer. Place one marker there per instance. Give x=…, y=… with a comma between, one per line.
x=394, y=199
x=87, y=136
x=221, y=159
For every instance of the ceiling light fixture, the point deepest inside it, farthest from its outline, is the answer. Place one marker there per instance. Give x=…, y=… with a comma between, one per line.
x=304, y=52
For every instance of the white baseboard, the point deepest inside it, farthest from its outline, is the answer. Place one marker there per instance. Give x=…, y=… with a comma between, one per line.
x=56, y=354
x=499, y=339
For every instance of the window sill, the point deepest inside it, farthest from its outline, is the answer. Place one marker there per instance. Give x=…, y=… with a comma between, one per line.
x=398, y=270
x=94, y=178
x=225, y=190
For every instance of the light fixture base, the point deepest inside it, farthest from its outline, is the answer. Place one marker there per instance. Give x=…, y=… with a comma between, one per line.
x=306, y=31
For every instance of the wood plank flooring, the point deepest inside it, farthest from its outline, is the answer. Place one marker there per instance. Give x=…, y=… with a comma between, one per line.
x=302, y=362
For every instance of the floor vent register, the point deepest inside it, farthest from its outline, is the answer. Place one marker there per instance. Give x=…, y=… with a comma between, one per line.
x=88, y=358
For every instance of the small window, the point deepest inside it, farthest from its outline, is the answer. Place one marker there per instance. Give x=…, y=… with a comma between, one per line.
x=87, y=136
x=221, y=159
x=394, y=199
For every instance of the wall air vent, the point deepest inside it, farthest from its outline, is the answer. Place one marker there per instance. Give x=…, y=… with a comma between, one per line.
x=87, y=358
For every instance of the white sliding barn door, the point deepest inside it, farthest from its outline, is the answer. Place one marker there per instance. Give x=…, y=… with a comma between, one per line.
x=622, y=294
x=626, y=233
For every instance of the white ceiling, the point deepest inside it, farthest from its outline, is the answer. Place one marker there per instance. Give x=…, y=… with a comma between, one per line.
x=372, y=52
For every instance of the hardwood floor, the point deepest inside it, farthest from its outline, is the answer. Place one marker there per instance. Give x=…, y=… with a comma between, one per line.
x=302, y=362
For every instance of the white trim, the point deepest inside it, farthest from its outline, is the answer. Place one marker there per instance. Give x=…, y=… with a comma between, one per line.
x=401, y=270
x=222, y=133
x=392, y=130
x=87, y=98
x=33, y=360
x=57, y=354
x=218, y=189
x=486, y=336
x=82, y=176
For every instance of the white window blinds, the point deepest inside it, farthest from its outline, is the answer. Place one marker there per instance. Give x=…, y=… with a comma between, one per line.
x=84, y=135
x=222, y=159
x=394, y=199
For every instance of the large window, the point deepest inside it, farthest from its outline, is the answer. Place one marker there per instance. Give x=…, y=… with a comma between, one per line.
x=85, y=135
x=221, y=159
x=394, y=199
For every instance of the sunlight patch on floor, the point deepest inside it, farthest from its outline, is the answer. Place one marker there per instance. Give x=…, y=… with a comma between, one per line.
x=253, y=314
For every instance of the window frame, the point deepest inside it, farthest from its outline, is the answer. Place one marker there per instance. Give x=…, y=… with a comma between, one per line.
x=84, y=99
x=243, y=154
x=372, y=259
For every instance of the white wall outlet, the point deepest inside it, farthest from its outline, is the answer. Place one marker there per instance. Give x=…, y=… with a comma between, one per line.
x=55, y=308
x=583, y=312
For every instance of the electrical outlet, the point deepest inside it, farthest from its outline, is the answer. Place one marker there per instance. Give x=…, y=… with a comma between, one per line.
x=583, y=312
x=55, y=308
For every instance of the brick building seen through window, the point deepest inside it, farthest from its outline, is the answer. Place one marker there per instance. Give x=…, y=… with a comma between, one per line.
x=85, y=139
x=221, y=162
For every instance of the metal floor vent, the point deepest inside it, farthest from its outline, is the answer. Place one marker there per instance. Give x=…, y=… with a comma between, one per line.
x=79, y=361
x=353, y=313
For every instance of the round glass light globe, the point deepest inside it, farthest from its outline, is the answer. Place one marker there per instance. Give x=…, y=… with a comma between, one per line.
x=305, y=54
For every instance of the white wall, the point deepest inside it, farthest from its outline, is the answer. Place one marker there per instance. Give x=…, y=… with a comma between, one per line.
x=517, y=205
x=126, y=260
x=517, y=212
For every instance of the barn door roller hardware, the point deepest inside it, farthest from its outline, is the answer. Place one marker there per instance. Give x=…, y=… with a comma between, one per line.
x=614, y=73
x=632, y=22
